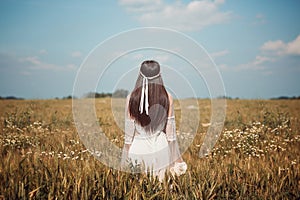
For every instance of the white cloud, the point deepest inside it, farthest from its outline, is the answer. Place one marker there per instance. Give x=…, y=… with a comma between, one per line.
x=278, y=47
x=249, y=66
x=137, y=6
x=138, y=2
x=191, y=16
x=76, y=54
x=259, y=63
x=271, y=52
x=262, y=59
x=217, y=54
x=32, y=60
x=34, y=63
x=293, y=47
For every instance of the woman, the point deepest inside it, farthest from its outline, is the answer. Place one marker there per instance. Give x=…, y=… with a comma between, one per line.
x=150, y=131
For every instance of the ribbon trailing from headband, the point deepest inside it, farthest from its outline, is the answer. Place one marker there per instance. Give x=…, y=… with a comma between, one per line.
x=145, y=93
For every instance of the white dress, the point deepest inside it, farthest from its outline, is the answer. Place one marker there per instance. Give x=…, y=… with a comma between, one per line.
x=152, y=152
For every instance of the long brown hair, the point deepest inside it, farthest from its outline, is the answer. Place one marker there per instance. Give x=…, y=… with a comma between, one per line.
x=158, y=98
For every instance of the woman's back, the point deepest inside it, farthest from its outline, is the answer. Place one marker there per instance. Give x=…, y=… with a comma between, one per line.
x=150, y=129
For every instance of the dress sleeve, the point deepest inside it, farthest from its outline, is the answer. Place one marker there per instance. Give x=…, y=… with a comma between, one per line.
x=171, y=125
x=129, y=124
x=175, y=155
x=129, y=130
x=171, y=129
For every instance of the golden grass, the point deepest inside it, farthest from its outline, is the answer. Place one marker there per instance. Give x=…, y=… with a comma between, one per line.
x=256, y=157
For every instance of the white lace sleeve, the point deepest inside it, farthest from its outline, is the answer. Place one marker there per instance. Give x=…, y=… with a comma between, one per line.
x=129, y=125
x=171, y=129
x=175, y=155
x=129, y=130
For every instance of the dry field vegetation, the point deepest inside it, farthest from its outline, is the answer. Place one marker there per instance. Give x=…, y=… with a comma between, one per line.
x=256, y=157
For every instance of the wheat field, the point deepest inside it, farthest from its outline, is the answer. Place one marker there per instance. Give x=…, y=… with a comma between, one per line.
x=256, y=156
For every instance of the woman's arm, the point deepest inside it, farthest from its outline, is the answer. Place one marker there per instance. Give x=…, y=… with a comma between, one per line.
x=171, y=133
x=129, y=132
x=129, y=125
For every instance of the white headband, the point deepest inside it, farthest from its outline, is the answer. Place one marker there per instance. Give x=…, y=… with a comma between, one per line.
x=145, y=92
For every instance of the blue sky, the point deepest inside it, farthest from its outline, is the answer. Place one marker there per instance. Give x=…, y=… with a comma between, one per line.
x=255, y=44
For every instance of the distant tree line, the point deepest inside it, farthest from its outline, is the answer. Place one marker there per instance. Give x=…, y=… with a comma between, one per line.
x=275, y=98
x=286, y=97
x=97, y=95
x=12, y=98
x=226, y=97
x=120, y=93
